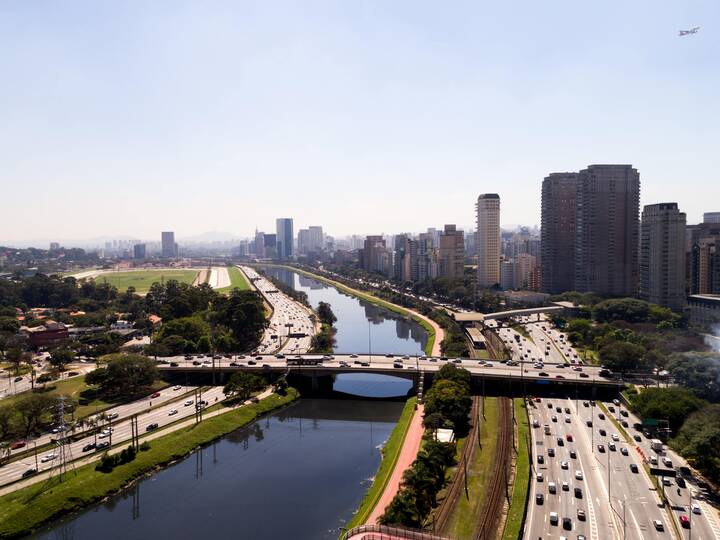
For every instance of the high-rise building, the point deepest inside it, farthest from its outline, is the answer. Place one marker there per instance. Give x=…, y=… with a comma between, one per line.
x=426, y=258
x=270, y=246
x=374, y=256
x=662, y=255
x=488, y=240
x=557, y=245
x=284, y=227
x=507, y=274
x=259, y=244
x=451, y=253
x=303, y=241
x=169, y=247
x=139, y=251
x=523, y=270
x=703, y=258
x=54, y=246
x=607, y=230
x=711, y=217
x=402, y=262
x=317, y=238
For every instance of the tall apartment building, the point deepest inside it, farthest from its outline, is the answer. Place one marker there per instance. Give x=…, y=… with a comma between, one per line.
x=285, y=237
x=402, y=261
x=451, y=253
x=703, y=258
x=259, y=244
x=303, y=241
x=139, y=251
x=523, y=271
x=557, y=233
x=426, y=258
x=607, y=230
x=169, y=247
x=317, y=238
x=488, y=240
x=711, y=217
x=374, y=255
x=662, y=255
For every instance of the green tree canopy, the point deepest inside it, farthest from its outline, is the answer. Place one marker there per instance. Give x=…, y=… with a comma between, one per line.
x=672, y=404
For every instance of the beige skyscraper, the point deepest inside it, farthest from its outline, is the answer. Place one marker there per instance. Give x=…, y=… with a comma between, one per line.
x=488, y=240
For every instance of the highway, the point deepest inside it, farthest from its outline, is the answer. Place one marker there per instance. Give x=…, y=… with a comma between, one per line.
x=10, y=387
x=705, y=524
x=288, y=317
x=185, y=407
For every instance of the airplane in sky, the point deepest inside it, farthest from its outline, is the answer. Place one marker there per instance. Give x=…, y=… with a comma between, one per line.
x=688, y=32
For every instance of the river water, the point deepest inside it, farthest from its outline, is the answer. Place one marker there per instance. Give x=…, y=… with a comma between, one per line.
x=299, y=473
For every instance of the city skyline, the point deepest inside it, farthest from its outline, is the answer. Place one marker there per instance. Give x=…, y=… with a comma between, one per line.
x=179, y=113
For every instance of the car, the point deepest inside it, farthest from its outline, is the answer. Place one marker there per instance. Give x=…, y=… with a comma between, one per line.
x=539, y=477
x=611, y=408
x=543, y=374
x=602, y=432
x=584, y=376
x=601, y=448
x=653, y=460
x=564, y=465
x=616, y=402
x=581, y=514
x=578, y=475
x=113, y=415
x=103, y=434
x=251, y=362
x=685, y=521
x=88, y=447
x=633, y=468
x=17, y=444
x=666, y=481
x=573, y=454
x=173, y=412
x=539, y=498
x=174, y=364
x=553, y=418
x=578, y=493
x=611, y=446
x=658, y=525
x=152, y=426
x=189, y=402
x=195, y=363
x=624, y=451
x=569, y=437
x=567, y=419
x=550, y=405
x=567, y=524
x=588, y=423
x=48, y=457
x=551, y=452
x=624, y=423
x=615, y=437
x=623, y=412
x=667, y=462
x=558, y=409
x=680, y=482
x=637, y=438
x=567, y=410
x=18, y=379
x=551, y=487
x=601, y=416
x=28, y=472
x=541, y=459
x=536, y=423
x=177, y=387
x=565, y=486
x=695, y=508
x=554, y=518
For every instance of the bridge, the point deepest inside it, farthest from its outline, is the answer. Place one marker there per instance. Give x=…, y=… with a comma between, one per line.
x=320, y=369
x=470, y=317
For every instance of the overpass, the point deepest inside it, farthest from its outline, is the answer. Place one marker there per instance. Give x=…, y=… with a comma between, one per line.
x=471, y=317
x=316, y=366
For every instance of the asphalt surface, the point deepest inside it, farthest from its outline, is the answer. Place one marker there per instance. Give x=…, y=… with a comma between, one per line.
x=288, y=317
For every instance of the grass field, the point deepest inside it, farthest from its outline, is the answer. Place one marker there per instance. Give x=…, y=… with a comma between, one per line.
x=30, y=507
x=391, y=451
x=466, y=514
x=143, y=279
x=521, y=485
x=237, y=281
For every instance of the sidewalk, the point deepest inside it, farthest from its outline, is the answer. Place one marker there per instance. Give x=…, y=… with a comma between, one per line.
x=410, y=448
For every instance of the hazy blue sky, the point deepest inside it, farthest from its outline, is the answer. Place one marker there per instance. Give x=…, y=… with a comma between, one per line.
x=126, y=118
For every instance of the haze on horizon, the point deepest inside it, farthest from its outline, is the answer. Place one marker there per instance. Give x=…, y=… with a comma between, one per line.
x=125, y=119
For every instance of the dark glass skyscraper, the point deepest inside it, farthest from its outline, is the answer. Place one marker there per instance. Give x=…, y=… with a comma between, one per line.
x=284, y=238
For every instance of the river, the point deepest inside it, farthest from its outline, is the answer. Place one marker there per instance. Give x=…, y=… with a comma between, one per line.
x=299, y=473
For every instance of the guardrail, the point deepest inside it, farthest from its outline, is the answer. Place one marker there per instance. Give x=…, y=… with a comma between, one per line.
x=384, y=532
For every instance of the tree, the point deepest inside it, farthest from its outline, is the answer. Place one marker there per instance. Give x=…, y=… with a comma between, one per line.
x=15, y=357
x=672, y=404
x=33, y=409
x=451, y=372
x=124, y=376
x=242, y=385
x=699, y=372
x=622, y=356
x=326, y=314
x=451, y=400
x=243, y=313
x=699, y=441
x=60, y=358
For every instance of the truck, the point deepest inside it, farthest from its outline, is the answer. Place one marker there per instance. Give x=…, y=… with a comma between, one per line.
x=547, y=429
x=656, y=444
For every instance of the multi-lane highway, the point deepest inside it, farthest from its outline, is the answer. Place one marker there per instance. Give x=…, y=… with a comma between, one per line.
x=288, y=317
x=169, y=412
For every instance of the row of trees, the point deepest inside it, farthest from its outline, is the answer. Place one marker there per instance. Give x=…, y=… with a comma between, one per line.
x=324, y=341
x=447, y=404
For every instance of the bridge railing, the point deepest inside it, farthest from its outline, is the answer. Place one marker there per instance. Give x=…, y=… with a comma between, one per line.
x=384, y=532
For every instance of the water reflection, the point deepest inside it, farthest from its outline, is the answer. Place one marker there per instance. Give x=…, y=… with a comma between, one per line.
x=299, y=473
x=361, y=326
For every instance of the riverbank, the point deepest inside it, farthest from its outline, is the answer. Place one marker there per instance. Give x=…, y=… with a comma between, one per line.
x=435, y=332
x=29, y=508
x=391, y=453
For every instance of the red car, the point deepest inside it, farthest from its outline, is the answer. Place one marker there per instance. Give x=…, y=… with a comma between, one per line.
x=156, y=394
x=685, y=521
x=17, y=444
x=569, y=437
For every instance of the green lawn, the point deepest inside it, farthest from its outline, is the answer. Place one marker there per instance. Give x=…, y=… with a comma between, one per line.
x=465, y=516
x=521, y=485
x=143, y=279
x=237, y=281
x=391, y=452
x=30, y=507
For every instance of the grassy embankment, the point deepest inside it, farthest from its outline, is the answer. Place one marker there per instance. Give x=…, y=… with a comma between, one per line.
x=369, y=297
x=143, y=279
x=521, y=485
x=466, y=514
x=391, y=453
x=26, y=509
x=237, y=281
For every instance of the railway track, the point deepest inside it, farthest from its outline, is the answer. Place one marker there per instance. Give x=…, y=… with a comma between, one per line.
x=448, y=504
x=497, y=489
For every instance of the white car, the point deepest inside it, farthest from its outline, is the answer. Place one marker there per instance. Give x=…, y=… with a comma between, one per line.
x=189, y=402
x=173, y=412
x=695, y=508
x=615, y=437
x=177, y=387
x=48, y=457
x=564, y=465
x=578, y=475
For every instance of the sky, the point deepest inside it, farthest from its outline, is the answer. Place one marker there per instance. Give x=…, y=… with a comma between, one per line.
x=125, y=118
